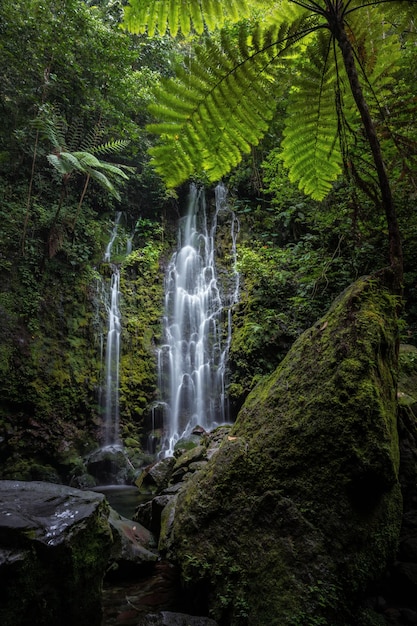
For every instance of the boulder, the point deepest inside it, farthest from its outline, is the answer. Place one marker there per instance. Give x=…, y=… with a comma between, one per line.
x=134, y=548
x=157, y=475
x=300, y=508
x=55, y=543
x=110, y=466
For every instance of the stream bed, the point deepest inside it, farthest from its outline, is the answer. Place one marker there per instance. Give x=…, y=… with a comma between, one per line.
x=126, y=600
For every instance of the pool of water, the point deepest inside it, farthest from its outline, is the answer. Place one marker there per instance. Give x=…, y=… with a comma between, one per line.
x=123, y=498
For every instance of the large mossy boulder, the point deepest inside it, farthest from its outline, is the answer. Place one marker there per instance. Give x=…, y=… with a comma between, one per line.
x=55, y=544
x=300, y=508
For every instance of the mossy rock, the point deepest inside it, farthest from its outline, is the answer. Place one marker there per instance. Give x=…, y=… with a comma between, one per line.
x=301, y=506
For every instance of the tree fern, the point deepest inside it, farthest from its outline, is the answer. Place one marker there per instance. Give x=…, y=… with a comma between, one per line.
x=185, y=15
x=310, y=149
x=211, y=113
x=219, y=105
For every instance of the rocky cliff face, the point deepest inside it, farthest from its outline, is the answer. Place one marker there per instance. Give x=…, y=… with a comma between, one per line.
x=301, y=506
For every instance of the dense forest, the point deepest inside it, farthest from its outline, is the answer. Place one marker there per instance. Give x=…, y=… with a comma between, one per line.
x=80, y=99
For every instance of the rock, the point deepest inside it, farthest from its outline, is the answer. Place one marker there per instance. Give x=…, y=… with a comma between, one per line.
x=157, y=476
x=133, y=546
x=300, y=507
x=199, y=453
x=166, y=525
x=409, y=616
x=167, y=618
x=143, y=514
x=110, y=466
x=54, y=547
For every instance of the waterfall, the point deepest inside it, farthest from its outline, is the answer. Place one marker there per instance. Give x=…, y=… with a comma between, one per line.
x=197, y=332
x=112, y=349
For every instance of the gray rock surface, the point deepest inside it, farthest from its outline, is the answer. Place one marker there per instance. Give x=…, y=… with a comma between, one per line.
x=54, y=548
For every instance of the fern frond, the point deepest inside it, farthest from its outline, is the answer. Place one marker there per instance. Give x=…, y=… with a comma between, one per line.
x=89, y=163
x=51, y=126
x=311, y=150
x=378, y=52
x=219, y=106
x=75, y=136
x=65, y=162
x=110, y=147
x=105, y=183
x=60, y=165
x=149, y=16
x=113, y=169
x=86, y=159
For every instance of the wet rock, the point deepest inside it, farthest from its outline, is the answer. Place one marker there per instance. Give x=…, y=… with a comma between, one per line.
x=157, y=476
x=54, y=547
x=133, y=546
x=110, y=466
x=143, y=514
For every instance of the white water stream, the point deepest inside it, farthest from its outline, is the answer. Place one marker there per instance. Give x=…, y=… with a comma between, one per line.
x=197, y=324
x=112, y=349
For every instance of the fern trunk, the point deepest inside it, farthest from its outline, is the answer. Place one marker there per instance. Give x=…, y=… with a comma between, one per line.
x=395, y=248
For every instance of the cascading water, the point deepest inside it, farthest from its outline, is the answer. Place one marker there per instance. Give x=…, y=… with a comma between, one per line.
x=112, y=350
x=192, y=362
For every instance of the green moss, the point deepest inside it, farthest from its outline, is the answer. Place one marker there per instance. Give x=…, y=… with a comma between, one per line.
x=142, y=306
x=303, y=496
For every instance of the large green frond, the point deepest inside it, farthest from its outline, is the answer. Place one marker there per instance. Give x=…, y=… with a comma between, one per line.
x=105, y=183
x=89, y=162
x=51, y=126
x=311, y=149
x=149, y=16
x=218, y=106
x=110, y=147
x=377, y=49
x=321, y=111
x=113, y=169
x=66, y=162
x=87, y=159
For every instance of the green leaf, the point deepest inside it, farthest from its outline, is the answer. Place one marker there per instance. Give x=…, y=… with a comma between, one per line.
x=105, y=183
x=310, y=149
x=65, y=162
x=149, y=16
x=218, y=106
x=87, y=159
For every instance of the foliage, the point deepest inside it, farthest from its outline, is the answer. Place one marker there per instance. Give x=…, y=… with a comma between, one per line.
x=239, y=81
x=149, y=16
x=82, y=96
x=142, y=296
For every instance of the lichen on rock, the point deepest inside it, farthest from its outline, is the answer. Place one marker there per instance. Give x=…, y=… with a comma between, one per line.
x=301, y=506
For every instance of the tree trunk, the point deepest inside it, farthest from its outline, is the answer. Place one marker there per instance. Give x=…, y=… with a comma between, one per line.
x=395, y=248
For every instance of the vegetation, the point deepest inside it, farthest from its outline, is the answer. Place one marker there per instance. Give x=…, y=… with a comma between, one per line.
x=75, y=125
x=307, y=110
x=72, y=130
x=344, y=56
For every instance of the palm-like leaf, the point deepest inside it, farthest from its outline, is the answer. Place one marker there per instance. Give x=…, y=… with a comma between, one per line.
x=184, y=15
x=65, y=162
x=220, y=105
x=310, y=148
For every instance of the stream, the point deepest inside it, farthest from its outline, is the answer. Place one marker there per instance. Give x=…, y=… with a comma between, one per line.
x=125, y=600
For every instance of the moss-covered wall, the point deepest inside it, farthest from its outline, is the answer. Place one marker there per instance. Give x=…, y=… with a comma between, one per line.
x=142, y=290
x=301, y=506
x=54, y=323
